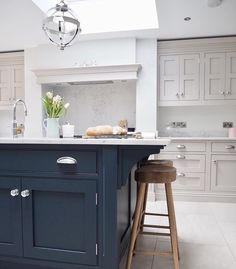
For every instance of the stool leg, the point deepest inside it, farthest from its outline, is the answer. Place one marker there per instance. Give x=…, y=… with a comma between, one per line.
x=144, y=205
x=172, y=221
x=141, y=215
x=134, y=232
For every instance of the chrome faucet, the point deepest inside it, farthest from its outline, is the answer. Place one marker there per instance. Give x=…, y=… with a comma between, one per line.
x=14, y=122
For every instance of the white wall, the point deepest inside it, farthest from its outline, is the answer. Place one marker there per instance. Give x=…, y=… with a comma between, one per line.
x=6, y=117
x=104, y=52
x=146, y=100
x=201, y=121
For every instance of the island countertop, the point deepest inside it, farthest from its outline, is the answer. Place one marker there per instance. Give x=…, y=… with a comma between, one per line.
x=86, y=141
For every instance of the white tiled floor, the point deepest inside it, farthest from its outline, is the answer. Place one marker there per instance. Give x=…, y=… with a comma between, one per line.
x=207, y=237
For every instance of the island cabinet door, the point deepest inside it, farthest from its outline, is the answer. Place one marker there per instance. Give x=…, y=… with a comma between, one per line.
x=10, y=217
x=60, y=220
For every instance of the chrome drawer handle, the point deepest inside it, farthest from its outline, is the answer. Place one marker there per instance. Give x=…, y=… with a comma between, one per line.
x=181, y=147
x=14, y=192
x=181, y=175
x=66, y=160
x=230, y=147
x=25, y=193
x=180, y=157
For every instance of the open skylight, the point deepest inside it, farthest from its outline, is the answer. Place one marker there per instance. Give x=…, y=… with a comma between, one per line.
x=104, y=16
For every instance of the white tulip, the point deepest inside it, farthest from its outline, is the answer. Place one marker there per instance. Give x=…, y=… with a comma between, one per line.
x=66, y=105
x=49, y=95
x=57, y=99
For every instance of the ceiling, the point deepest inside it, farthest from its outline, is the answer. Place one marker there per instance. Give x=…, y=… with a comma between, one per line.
x=21, y=21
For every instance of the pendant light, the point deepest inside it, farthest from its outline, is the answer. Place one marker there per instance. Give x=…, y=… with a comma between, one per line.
x=61, y=25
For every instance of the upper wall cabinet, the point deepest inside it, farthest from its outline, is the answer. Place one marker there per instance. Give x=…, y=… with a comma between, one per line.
x=220, y=76
x=179, y=77
x=11, y=78
x=197, y=72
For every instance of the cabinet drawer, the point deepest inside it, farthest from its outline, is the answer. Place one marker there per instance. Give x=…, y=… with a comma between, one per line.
x=47, y=161
x=186, y=162
x=224, y=147
x=186, y=146
x=189, y=181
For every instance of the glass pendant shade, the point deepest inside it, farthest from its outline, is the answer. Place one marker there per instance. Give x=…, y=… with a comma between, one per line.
x=61, y=25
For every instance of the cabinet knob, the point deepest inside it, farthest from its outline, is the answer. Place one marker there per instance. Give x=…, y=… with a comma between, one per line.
x=179, y=174
x=230, y=147
x=177, y=94
x=181, y=147
x=221, y=92
x=14, y=192
x=227, y=93
x=180, y=157
x=214, y=161
x=25, y=193
x=66, y=160
x=182, y=94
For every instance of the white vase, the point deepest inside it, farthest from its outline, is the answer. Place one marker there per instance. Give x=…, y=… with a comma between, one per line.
x=51, y=126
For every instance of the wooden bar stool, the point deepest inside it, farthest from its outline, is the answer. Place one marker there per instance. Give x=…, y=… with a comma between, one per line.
x=154, y=174
x=151, y=162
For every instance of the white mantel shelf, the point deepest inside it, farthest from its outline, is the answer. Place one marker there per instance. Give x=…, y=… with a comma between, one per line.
x=88, y=74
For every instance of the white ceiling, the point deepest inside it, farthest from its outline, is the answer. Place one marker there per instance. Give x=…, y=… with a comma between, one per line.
x=20, y=21
x=205, y=21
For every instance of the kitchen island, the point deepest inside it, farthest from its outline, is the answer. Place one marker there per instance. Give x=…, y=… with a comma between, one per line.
x=68, y=203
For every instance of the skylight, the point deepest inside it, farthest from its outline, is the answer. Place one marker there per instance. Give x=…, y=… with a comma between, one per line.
x=102, y=16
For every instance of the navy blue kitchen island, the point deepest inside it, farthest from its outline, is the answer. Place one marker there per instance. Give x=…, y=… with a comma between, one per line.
x=67, y=205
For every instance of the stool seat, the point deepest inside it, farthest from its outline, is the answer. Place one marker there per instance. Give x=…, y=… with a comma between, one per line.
x=157, y=162
x=155, y=174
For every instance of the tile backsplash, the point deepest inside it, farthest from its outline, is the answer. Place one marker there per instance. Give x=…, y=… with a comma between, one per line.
x=201, y=120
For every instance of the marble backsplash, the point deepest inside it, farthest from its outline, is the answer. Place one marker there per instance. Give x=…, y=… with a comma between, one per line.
x=98, y=104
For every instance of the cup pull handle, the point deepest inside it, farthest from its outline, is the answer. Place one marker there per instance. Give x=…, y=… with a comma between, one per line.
x=180, y=174
x=66, y=160
x=230, y=147
x=180, y=157
x=181, y=147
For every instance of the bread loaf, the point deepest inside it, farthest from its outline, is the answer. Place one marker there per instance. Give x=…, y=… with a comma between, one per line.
x=117, y=130
x=99, y=130
x=102, y=130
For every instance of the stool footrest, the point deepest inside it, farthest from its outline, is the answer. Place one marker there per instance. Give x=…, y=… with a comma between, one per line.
x=153, y=233
x=152, y=253
x=155, y=214
x=155, y=226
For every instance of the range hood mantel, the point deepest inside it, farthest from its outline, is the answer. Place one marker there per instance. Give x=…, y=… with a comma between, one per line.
x=88, y=74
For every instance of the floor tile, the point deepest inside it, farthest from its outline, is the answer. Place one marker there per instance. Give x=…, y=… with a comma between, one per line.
x=224, y=211
x=207, y=235
x=197, y=256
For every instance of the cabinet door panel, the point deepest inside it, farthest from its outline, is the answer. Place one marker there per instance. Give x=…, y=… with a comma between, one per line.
x=169, y=78
x=10, y=218
x=214, y=76
x=223, y=173
x=17, y=81
x=189, y=77
x=230, y=76
x=60, y=220
x=5, y=85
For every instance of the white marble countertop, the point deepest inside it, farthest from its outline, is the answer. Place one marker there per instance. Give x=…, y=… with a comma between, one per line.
x=204, y=138
x=85, y=141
